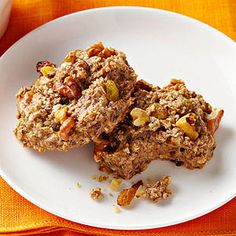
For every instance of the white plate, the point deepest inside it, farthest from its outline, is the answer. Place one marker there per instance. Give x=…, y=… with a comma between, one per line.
x=159, y=45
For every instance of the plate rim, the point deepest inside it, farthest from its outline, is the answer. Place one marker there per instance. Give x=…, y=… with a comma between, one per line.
x=19, y=190
x=189, y=18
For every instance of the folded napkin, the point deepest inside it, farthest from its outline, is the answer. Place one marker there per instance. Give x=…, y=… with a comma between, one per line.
x=20, y=217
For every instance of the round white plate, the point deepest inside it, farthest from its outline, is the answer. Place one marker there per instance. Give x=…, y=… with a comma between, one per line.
x=159, y=45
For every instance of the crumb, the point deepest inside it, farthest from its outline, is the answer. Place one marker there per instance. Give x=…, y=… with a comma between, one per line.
x=78, y=185
x=94, y=177
x=102, y=178
x=159, y=190
x=111, y=195
x=141, y=192
x=126, y=196
x=116, y=209
x=115, y=184
x=96, y=194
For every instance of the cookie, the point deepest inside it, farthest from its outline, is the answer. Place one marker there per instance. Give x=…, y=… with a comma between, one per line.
x=70, y=105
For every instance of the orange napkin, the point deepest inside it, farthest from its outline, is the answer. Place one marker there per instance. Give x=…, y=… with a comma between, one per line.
x=20, y=217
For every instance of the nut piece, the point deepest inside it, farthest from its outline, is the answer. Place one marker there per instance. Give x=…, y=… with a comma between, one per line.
x=70, y=57
x=175, y=84
x=176, y=81
x=140, y=117
x=159, y=190
x=213, y=120
x=96, y=194
x=61, y=114
x=187, y=124
x=115, y=184
x=158, y=111
x=102, y=178
x=95, y=49
x=69, y=88
x=126, y=195
x=99, y=51
x=101, y=144
x=112, y=91
x=66, y=127
x=48, y=71
x=106, y=52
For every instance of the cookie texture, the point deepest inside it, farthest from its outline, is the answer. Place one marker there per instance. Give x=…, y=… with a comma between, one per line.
x=70, y=105
x=170, y=123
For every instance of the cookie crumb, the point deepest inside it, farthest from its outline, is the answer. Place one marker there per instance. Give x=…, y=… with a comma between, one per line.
x=111, y=195
x=96, y=194
x=115, y=184
x=159, y=190
x=94, y=177
x=141, y=192
x=102, y=178
x=126, y=196
x=116, y=209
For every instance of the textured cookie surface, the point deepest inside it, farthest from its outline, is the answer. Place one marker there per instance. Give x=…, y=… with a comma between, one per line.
x=170, y=123
x=70, y=105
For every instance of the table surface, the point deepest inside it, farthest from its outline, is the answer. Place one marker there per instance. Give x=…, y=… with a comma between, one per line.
x=17, y=215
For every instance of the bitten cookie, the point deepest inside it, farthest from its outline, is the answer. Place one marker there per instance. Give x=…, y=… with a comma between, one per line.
x=170, y=123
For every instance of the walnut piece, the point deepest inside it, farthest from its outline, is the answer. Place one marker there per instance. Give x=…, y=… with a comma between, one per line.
x=159, y=190
x=213, y=119
x=69, y=88
x=96, y=194
x=95, y=49
x=187, y=124
x=175, y=84
x=140, y=117
x=66, y=127
x=99, y=51
x=106, y=52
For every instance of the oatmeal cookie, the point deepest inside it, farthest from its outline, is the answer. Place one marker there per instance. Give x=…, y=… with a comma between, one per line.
x=70, y=105
x=171, y=123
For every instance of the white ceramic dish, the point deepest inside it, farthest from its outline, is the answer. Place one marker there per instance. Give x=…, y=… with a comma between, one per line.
x=5, y=9
x=159, y=45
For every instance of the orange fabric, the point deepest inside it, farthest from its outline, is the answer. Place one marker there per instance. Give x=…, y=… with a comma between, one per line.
x=20, y=217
